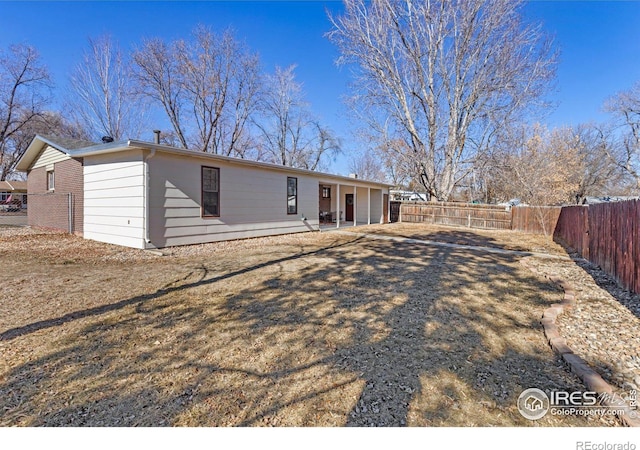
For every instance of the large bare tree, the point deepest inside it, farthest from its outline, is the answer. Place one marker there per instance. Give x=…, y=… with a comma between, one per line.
x=366, y=165
x=48, y=123
x=24, y=92
x=538, y=166
x=290, y=134
x=624, y=135
x=208, y=87
x=101, y=96
x=442, y=76
x=597, y=174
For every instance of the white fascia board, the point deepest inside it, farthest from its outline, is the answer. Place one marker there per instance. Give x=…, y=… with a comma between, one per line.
x=33, y=150
x=141, y=145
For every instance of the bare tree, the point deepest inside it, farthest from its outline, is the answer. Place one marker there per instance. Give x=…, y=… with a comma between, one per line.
x=158, y=77
x=208, y=87
x=442, y=76
x=597, y=174
x=48, y=123
x=289, y=133
x=539, y=167
x=24, y=91
x=624, y=140
x=367, y=165
x=102, y=97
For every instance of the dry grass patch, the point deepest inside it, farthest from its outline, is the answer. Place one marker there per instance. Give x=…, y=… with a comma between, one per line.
x=504, y=239
x=318, y=329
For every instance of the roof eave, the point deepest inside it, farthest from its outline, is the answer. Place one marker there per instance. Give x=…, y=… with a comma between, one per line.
x=32, y=152
x=132, y=144
x=248, y=162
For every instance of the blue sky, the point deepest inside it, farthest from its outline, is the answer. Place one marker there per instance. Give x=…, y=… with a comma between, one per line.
x=599, y=44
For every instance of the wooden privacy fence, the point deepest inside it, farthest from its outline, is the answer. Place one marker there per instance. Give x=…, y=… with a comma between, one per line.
x=538, y=220
x=535, y=219
x=572, y=229
x=607, y=234
x=457, y=214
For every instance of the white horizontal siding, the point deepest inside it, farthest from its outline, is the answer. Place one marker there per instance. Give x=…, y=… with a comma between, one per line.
x=119, y=229
x=112, y=220
x=49, y=156
x=132, y=200
x=135, y=212
x=116, y=239
x=114, y=198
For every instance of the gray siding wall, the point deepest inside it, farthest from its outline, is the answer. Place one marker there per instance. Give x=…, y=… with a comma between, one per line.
x=253, y=202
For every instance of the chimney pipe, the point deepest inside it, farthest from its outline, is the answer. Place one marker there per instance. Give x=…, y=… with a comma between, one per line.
x=156, y=139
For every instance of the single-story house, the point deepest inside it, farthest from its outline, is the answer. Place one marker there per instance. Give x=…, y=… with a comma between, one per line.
x=13, y=194
x=147, y=195
x=589, y=200
x=408, y=196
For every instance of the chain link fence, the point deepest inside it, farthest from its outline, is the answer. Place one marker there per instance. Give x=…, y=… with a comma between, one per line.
x=13, y=209
x=48, y=210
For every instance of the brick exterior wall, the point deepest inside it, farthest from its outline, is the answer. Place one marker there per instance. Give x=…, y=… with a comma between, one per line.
x=51, y=209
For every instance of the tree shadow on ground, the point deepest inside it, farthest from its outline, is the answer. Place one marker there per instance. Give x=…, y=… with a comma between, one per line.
x=356, y=333
x=453, y=236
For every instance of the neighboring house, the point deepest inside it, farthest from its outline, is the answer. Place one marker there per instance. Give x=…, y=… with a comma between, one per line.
x=146, y=195
x=14, y=194
x=595, y=200
x=408, y=196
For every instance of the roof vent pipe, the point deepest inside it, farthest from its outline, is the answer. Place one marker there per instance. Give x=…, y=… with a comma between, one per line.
x=156, y=139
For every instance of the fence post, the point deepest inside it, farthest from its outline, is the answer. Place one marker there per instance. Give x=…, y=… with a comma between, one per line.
x=70, y=211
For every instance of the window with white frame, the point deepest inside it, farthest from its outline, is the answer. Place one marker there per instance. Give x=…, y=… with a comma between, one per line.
x=51, y=180
x=292, y=195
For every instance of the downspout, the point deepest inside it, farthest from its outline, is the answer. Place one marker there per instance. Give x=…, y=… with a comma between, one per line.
x=147, y=201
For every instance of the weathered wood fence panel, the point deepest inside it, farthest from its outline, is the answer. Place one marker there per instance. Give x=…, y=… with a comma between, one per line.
x=608, y=234
x=614, y=236
x=572, y=229
x=535, y=219
x=457, y=214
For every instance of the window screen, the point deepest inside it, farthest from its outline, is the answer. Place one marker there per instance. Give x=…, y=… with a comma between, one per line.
x=292, y=195
x=210, y=192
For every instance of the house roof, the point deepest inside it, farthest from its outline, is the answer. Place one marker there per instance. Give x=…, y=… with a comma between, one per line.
x=92, y=149
x=11, y=186
x=65, y=145
x=608, y=199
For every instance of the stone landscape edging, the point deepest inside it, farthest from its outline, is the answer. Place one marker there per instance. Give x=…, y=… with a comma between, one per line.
x=590, y=378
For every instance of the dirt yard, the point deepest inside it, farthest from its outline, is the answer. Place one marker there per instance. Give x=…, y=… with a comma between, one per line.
x=317, y=329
